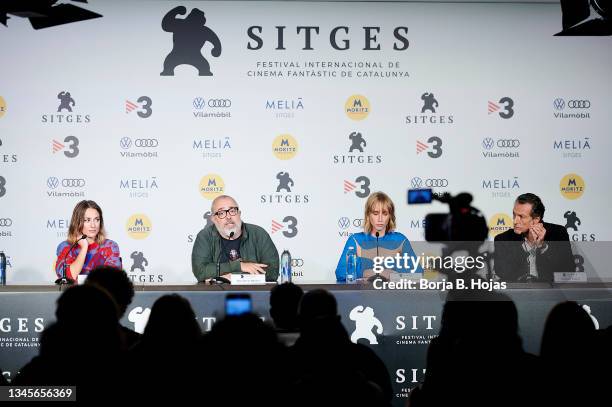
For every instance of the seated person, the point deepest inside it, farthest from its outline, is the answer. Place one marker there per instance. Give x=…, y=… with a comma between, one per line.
x=379, y=239
x=533, y=250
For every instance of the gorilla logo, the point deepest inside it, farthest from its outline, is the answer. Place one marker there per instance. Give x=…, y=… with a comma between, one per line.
x=139, y=261
x=572, y=220
x=429, y=102
x=357, y=142
x=283, y=181
x=65, y=101
x=587, y=309
x=207, y=216
x=139, y=317
x=190, y=35
x=364, y=322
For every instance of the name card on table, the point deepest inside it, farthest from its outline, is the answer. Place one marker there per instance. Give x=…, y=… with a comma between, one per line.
x=575, y=277
x=248, y=279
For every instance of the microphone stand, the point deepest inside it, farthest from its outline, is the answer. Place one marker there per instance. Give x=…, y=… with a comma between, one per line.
x=377, y=274
x=63, y=280
x=218, y=279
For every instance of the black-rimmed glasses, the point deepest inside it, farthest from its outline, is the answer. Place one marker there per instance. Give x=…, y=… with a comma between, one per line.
x=222, y=213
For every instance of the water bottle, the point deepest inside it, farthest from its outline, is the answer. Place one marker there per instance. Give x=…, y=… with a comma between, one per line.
x=285, y=267
x=2, y=269
x=351, y=265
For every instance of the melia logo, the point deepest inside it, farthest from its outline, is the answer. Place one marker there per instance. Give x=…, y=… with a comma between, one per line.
x=139, y=226
x=499, y=223
x=357, y=107
x=211, y=186
x=285, y=147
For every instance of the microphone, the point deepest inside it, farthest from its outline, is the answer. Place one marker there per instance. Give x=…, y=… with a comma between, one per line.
x=377, y=274
x=218, y=279
x=63, y=280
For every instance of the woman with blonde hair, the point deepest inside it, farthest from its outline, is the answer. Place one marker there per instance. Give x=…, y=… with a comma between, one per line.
x=379, y=239
x=86, y=246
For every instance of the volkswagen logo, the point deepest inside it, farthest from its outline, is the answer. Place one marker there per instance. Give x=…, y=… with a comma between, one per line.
x=358, y=223
x=508, y=143
x=417, y=182
x=559, y=104
x=344, y=222
x=578, y=104
x=125, y=143
x=488, y=143
x=73, y=182
x=146, y=142
x=297, y=262
x=52, y=182
x=199, y=103
x=219, y=103
x=6, y=222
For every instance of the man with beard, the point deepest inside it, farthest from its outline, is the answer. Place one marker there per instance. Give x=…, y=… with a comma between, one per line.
x=229, y=246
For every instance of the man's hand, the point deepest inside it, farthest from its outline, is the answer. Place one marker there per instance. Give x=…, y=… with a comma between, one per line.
x=253, y=268
x=537, y=233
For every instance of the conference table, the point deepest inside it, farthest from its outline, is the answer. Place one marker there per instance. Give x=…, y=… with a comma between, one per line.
x=410, y=319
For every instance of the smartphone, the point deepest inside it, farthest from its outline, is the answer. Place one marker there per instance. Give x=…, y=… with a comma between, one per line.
x=237, y=304
x=420, y=196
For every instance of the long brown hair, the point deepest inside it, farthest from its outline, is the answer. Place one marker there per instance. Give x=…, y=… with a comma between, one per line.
x=386, y=202
x=78, y=219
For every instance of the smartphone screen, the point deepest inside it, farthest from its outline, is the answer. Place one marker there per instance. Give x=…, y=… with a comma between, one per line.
x=419, y=196
x=237, y=304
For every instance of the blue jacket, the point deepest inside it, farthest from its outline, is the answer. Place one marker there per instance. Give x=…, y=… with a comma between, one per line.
x=365, y=245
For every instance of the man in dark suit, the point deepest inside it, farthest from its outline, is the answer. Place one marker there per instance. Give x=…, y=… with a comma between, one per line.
x=533, y=250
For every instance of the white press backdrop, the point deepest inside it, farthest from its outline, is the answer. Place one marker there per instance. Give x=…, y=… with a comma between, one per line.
x=467, y=55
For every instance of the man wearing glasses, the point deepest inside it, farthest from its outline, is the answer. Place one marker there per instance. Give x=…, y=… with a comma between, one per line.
x=230, y=246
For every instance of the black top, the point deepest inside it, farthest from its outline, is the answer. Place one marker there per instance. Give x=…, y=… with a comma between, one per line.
x=230, y=249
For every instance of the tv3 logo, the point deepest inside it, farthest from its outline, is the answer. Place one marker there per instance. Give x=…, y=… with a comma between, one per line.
x=506, y=103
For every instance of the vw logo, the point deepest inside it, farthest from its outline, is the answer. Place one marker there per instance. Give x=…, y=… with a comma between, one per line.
x=297, y=262
x=508, y=143
x=6, y=222
x=344, y=222
x=52, y=182
x=416, y=182
x=73, y=182
x=559, y=104
x=125, y=143
x=219, y=102
x=199, y=103
x=146, y=142
x=488, y=143
x=358, y=223
x=578, y=104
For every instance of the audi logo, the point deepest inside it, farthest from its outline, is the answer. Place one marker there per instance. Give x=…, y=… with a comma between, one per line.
x=508, y=143
x=297, y=262
x=125, y=143
x=73, y=182
x=417, y=182
x=578, y=104
x=199, y=103
x=146, y=142
x=219, y=103
x=488, y=143
x=52, y=182
x=358, y=223
x=6, y=222
x=559, y=104
x=344, y=222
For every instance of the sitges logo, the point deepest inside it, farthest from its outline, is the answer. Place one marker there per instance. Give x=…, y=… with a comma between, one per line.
x=432, y=112
x=574, y=222
x=340, y=38
x=357, y=144
x=8, y=325
x=283, y=191
x=65, y=112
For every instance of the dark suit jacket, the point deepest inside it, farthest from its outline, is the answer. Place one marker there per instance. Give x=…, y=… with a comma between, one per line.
x=511, y=260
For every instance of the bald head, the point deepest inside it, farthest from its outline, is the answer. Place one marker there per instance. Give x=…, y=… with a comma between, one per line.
x=222, y=201
x=226, y=216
